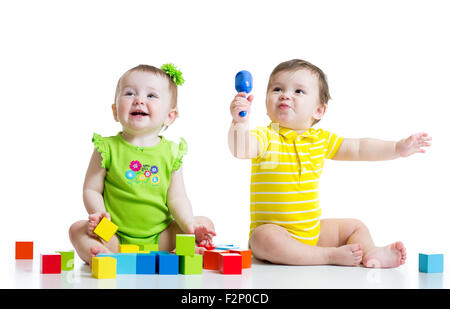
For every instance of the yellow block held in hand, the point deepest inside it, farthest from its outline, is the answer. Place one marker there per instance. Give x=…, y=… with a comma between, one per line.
x=105, y=229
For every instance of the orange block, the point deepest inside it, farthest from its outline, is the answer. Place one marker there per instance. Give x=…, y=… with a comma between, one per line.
x=211, y=259
x=246, y=257
x=24, y=250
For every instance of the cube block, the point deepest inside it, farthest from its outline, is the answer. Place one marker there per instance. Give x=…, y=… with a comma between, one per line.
x=105, y=229
x=50, y=263
x=126, y=262
x=67, y=259
x=185, y=244
x=431, y=263
x=149, y=247
x=246, y=257
x=145, y=264
x=191, y=264
x=24, y=250
x=104, y=267
x=226, y=247
x=230, y=263
x=128, y=248
x=167, y=264
x=211, y=259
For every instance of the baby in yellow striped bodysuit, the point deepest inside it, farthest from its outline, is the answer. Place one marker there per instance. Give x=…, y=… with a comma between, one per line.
x=287, y=160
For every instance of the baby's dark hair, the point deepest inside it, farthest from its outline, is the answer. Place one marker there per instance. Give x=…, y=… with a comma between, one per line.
x=297, y=64
x=173, y=88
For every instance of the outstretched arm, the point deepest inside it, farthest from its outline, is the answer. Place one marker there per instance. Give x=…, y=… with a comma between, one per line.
x=369, y=149
x=242, y=144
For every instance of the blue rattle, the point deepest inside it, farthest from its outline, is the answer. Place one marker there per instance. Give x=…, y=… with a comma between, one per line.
x=243, y=83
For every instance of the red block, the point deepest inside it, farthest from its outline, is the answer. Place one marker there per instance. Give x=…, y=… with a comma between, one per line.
x=24, y=250
x=231, y=263
x=211, y=259
x=51, y=263
x=246, y=257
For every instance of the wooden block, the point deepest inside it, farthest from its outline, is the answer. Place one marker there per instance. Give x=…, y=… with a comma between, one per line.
x=226, y=247
x=24, y=250
x=231, y=263
x=185, y=244
x=50, y=263
x=191, y=264
x=246, y=257
x=149, y=247
x=67, y=259
x=211, y=259
x=146, y=263
x=128, y=248
x=104, y=267
x=167, y=264
x=105, y=229
x=431, y=263
x=126, y=262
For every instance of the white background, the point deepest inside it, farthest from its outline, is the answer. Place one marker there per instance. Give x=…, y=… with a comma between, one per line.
x=387, y=64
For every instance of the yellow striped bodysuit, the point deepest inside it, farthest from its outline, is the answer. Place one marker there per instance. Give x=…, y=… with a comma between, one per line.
x=285, y=179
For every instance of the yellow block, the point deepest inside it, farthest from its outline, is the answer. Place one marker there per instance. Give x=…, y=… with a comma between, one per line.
x=105, y=229
x=104, y=267
x=127, y=248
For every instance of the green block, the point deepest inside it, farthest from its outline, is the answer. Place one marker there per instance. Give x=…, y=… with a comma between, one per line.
x=147, y=247
x=185, y=244
x=67, y=259
x=191, y=264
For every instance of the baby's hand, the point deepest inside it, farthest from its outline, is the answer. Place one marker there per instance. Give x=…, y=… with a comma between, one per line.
x=413, y=144
x=203, y=233
x=240, y=103
x=93, y=221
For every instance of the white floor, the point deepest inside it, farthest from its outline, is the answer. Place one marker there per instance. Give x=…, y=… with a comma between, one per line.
x=25, y=274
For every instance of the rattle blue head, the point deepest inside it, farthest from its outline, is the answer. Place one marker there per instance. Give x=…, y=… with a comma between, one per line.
x=243, y=82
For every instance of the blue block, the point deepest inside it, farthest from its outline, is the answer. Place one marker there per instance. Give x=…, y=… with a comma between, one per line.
x=225, y=247
x=145, y=263
x=431, y=263
x=126, y=262
x=167, y=264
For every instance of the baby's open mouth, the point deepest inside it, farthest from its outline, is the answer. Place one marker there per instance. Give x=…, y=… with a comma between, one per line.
x=139, y=113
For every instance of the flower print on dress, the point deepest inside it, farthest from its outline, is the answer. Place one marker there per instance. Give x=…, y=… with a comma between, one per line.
x=135, y=165
x=147, y=173
x=155, y=179
x=130, y=174
x=154, y=169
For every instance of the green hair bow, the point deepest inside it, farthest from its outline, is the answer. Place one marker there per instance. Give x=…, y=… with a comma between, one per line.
x=176, y=75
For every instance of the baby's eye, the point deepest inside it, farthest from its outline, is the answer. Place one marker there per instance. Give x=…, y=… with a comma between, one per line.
x=152, y=95
x=277, y=89
x=129, y=93
x=299, y=91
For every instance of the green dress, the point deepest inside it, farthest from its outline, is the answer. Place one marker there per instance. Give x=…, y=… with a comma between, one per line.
x=136, y=184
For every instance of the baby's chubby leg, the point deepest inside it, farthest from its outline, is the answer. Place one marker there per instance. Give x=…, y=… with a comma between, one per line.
x=87, y=246
x=273, y=243
x=339, y=232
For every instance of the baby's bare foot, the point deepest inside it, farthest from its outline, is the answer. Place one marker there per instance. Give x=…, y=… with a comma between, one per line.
x=389, y=256
x=348, y=255
x=96, y=250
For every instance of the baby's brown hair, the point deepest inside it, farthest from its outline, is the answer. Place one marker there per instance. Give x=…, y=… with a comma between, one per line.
x=297, y=64
x=173, y=89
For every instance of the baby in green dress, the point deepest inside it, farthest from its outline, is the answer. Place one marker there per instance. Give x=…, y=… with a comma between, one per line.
x=135, y=178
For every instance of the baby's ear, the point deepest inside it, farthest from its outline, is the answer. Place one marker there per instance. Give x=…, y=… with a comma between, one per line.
x=114, y=110
x=320, y=111
x=173, y=113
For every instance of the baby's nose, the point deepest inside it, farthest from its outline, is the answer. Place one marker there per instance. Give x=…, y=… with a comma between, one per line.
x=138, y=101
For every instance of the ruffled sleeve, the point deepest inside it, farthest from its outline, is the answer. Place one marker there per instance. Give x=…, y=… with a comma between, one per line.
x=179, y=151
x=102, y=148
